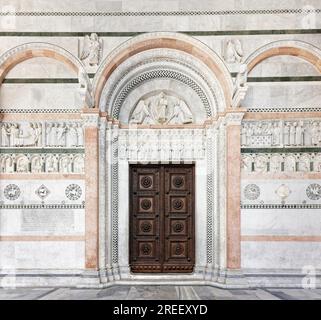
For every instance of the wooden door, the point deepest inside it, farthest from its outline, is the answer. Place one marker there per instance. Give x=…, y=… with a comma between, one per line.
x=162, y=218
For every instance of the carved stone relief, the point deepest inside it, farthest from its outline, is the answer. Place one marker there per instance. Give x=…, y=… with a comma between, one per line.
x=21, y=134
x=40, y=163
x=90, y=50
x=281, y=162
x=233, y=51
x=279, y=133
x=56, y=134
x=64, y=134
x=161, y=109
x=161, y=144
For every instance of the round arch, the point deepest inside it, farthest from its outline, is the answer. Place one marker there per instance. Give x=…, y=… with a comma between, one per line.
x=164, y=40
x=18, y=54
x=295, y=48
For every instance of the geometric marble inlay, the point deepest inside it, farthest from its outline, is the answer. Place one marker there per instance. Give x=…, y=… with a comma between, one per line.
x=313, y=191
x=73, y=192
x=42, y=192
x=251, y=192
x=12, y=192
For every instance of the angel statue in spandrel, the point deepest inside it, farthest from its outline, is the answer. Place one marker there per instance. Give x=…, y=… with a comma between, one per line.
x=233, y=51
x=91, y=50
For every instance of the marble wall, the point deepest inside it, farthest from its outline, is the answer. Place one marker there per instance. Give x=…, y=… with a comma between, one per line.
x=43, y=214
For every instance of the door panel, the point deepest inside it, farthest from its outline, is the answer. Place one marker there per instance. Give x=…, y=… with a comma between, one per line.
x=162, y=218
x=145, y=219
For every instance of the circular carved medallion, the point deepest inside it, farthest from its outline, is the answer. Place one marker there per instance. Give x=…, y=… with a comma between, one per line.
x=12, y=192
x=178, y=227
x=146, y=204
x=146, y=227
x=251, y=192
x=146, y=249
x=146, y=182
x=178, y=182
x=179, y=249
x=314, y=191
x=73, y=192
x=178, y=204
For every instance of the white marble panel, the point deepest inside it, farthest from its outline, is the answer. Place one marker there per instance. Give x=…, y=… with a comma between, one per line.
x=283, y=94
x=280, y=254
x=42, y=222
x=40, y=96
x=42, y=255
x=289, y=222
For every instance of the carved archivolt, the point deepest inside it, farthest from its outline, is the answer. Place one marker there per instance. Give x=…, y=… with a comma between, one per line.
x=168, y=41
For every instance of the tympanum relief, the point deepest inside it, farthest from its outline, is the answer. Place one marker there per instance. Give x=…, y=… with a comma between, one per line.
x=279, y=133
x=161, y=109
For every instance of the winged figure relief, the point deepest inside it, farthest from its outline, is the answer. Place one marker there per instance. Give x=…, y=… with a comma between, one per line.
x=91, y=49
x=233, y=51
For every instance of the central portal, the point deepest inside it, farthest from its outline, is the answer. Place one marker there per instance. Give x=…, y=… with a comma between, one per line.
x=161, y=209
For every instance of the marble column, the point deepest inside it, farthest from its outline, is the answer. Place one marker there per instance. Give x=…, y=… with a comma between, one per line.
x=91, y=134
x=233, y=186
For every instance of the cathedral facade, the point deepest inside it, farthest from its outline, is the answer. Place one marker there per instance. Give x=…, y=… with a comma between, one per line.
x=170, y=142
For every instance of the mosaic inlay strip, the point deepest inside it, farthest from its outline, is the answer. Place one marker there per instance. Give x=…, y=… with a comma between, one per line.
x=280, y=206
x=160, y=13
x=42, y=206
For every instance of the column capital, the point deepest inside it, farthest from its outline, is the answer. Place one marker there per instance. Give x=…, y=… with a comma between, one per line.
x=91, y=117
x=234, y=118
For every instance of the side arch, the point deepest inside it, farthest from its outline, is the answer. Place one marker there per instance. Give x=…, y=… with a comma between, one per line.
x=296, y=48
x=26, y=51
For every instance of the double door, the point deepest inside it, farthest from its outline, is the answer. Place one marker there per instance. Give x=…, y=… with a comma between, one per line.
x=162, y=218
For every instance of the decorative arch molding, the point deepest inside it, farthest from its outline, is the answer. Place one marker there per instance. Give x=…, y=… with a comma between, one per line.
x=26, y=51
x=164, y=40
x=301, y=49
x=156, y=74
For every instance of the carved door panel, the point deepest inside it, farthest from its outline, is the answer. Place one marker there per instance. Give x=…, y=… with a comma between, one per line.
x=161, y=218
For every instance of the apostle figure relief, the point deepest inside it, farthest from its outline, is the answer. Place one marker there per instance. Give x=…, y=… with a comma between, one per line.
x=47, y=134
x=161, y=109
x=279, y=133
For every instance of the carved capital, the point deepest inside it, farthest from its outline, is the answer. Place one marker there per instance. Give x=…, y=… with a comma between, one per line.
x=239, y=95
x=91, y=119
x=234, y=118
